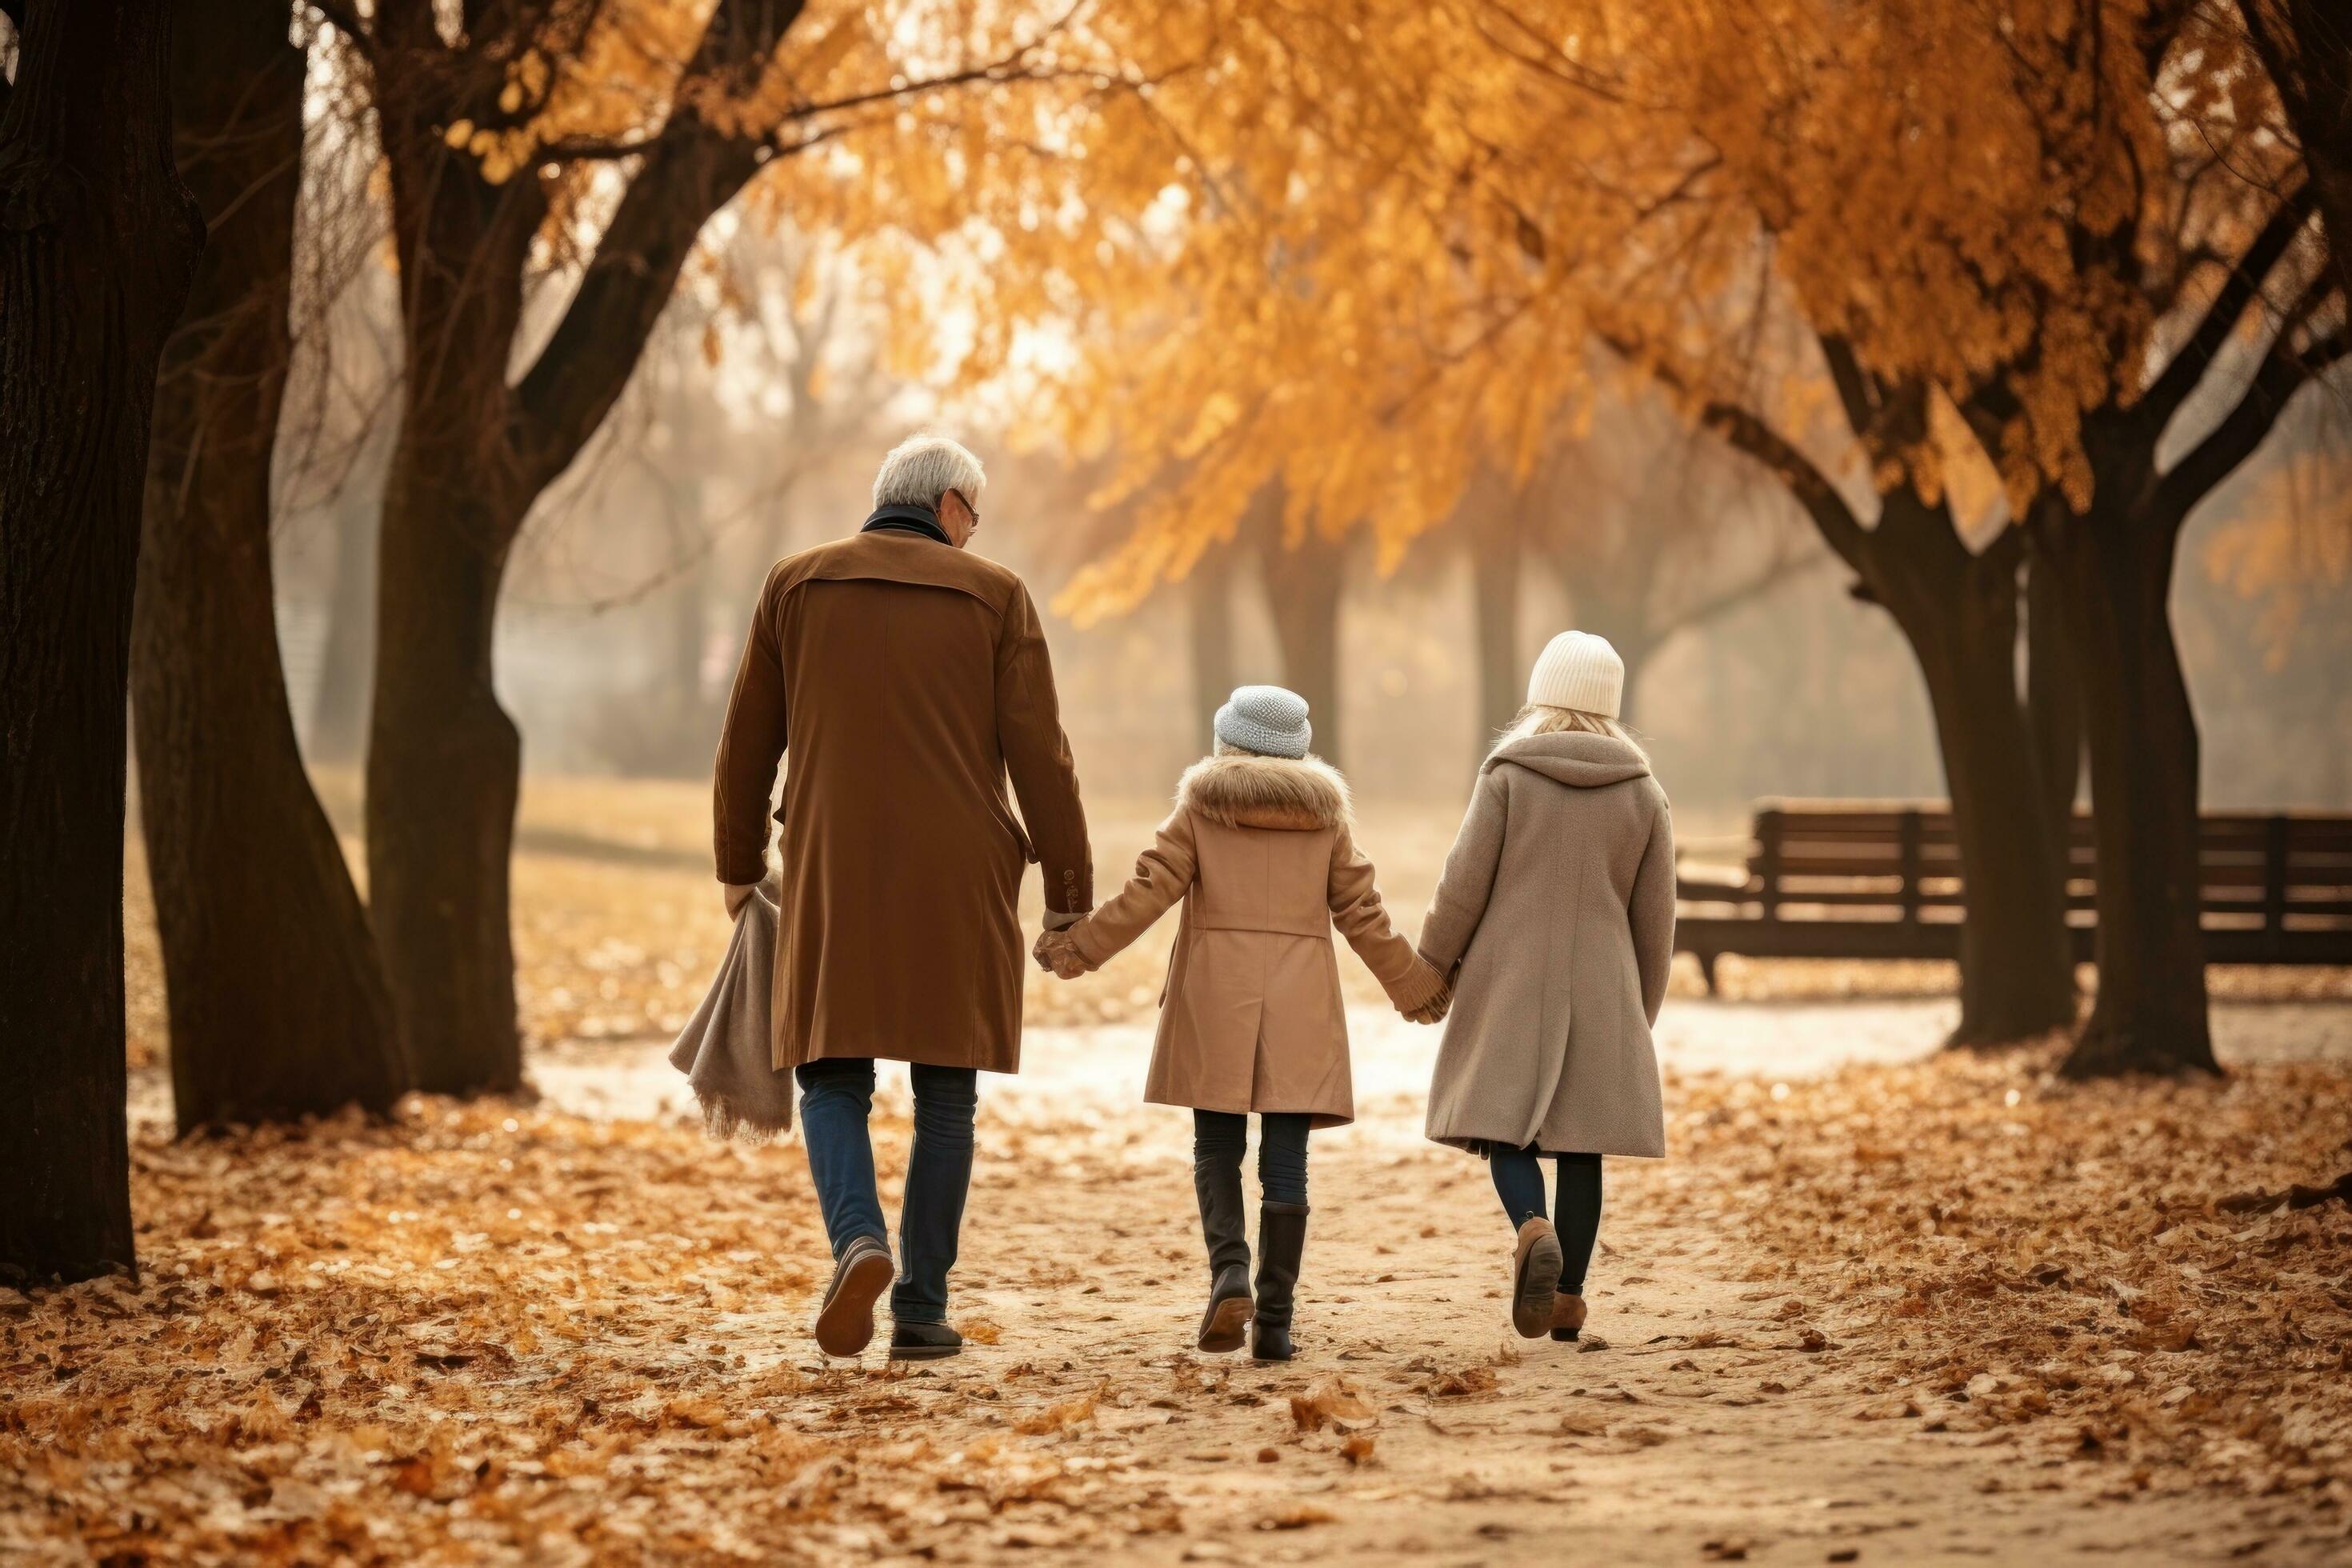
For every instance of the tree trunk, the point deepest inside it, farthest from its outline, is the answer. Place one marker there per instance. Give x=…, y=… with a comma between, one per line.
x=1304, y=583
x=1957, y=612
x=693, y=739
x=1634, y=652
x=1496, y=565
x=478, y=446
x=2113, y=572
x=444, y=761
x=338, y=702
x=443, y=776
x=1209, y=606
x=2054, y=701
x=2017, y=977
x=98, y=239
x=278, y=1006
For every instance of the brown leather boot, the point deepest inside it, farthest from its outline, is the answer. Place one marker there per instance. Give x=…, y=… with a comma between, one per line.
x=1281, y=1246
x=1225, y=1225
x=1567, y=1315
x=1534, y=1274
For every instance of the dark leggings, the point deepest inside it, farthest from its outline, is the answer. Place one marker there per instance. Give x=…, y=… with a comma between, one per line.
x=1519, y=1181
x=1223, y=1137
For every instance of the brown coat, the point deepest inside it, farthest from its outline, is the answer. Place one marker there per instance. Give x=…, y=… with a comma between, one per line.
x=908, y=678
x=1262, y=852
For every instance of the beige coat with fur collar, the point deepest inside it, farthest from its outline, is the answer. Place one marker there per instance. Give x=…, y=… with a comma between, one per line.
x=1261, y=851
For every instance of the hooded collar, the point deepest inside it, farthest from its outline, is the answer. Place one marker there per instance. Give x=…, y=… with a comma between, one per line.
x=906, y=518
x=1298, y=795
x=1573, y=757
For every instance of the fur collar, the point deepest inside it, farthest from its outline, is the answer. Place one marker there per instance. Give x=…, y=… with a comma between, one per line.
x=1266, y=792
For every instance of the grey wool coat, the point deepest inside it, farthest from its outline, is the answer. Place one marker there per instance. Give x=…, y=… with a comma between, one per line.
x=1557, y=905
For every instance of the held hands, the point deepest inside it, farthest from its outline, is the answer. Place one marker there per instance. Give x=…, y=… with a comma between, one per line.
x=1439, y=997
x=1055, y=950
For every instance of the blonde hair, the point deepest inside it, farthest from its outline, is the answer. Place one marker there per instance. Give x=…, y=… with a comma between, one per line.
x=1543, y=719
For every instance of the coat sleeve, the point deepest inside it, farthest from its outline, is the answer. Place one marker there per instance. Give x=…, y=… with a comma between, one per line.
x=750, y=745
x=1468, y=880
x=1037, y=755
x=1649, y=910
x=1163, y=874
x=1363, y=919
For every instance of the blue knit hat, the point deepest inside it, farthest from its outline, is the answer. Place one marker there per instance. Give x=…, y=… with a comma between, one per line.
x=1266, y=720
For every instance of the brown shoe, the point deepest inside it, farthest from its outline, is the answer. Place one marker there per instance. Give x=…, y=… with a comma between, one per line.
x=1534, y=1274
x=1567, y=1315
x=845, y=1322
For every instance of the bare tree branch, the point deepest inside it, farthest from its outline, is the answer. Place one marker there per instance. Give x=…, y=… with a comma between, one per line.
x=1798, y=473
x=2283, y=373
x=2240, y=290
x=1750, y=433
x=688, y=170
x=1748, y=592
x=1857, y=389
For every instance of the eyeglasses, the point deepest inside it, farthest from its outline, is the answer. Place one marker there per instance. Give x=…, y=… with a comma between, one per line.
x=968, y=506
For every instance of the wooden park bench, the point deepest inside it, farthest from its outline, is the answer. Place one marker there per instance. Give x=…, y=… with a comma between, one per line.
x=1861, y=880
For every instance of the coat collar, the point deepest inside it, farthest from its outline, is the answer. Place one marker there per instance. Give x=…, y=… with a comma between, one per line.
x=1576, y=758
x=904, y=519
x=1266, y=792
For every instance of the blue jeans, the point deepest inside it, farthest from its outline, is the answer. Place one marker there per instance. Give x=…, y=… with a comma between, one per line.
x=1519, y=1181
x=1222, y=1137
x=836, y=1096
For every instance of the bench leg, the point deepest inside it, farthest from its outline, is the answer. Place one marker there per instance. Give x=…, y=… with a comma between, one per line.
x=1707, y=968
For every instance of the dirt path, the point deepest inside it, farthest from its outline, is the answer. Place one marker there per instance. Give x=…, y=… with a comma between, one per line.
x=1693, y=1424
x=1946, y=1310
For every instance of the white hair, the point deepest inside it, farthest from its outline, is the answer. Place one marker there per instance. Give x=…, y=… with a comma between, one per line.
x=922, y=468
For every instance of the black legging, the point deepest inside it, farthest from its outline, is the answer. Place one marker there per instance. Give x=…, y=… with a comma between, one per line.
x=1222, y=1136
x=1519, y=1181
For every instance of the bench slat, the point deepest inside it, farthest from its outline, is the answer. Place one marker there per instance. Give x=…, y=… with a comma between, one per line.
x=1884, y=879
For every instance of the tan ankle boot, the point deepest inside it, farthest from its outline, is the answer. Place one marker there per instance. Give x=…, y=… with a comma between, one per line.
x=1567, y=1315
x=1535, y=1277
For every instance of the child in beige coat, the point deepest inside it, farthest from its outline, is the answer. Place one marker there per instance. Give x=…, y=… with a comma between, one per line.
x=1262, y=852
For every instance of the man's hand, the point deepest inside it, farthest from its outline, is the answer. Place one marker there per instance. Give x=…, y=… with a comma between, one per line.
x=738, y=895
x=1057, y=951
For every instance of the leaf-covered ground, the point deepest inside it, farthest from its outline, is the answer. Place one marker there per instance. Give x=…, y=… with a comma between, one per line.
x=1910, y=1312
x=1915, y=1311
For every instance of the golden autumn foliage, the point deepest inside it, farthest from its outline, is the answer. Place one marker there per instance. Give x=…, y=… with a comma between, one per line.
x=1391, y=235
x=1365, y=248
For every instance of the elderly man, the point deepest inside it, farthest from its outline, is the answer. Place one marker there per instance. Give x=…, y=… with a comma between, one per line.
x=908, y=677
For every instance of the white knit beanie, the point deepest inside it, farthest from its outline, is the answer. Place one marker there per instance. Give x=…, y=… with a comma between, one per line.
x=1579, y=670
x=1266, y=720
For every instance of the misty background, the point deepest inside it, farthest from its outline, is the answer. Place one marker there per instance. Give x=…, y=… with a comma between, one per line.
x=755, y=421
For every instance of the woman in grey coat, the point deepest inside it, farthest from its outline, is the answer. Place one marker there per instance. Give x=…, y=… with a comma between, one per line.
x=1554, y=920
